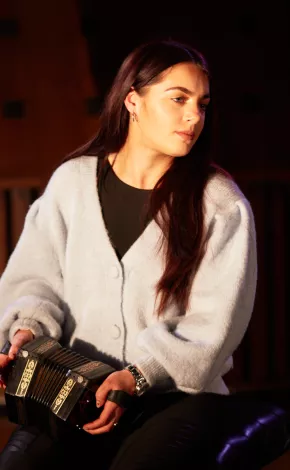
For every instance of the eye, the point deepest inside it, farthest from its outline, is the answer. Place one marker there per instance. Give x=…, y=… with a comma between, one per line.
x=203, y=107
x=179, y=99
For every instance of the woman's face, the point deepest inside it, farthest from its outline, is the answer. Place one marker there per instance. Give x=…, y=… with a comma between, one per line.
x=171, y=113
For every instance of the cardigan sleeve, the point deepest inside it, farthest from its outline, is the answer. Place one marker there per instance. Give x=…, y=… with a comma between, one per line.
x=195, y=350
x=31, y=286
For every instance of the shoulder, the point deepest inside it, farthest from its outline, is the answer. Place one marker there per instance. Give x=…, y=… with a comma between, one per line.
x=70, y=175
x=63, y=188
x=73, y=170
x=226, y=206
x=223, y=196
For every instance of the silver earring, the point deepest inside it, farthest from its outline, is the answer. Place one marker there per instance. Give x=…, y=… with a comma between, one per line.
x=134, y=117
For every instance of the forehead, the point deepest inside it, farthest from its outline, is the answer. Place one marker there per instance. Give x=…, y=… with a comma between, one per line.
x=186, y=75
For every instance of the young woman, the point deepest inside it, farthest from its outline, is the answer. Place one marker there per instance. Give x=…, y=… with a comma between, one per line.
x=140, y=252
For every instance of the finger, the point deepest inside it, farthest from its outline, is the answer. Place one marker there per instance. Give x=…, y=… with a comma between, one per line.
x=104, y=418
x=20, y=338
x=2, y=384
x=120, y=397
x=4, y=360
x=13, y=351
x=102, y=393
x=107, y=428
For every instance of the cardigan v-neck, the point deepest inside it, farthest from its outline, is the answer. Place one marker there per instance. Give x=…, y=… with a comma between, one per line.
x=145, y=247
x=124, y=209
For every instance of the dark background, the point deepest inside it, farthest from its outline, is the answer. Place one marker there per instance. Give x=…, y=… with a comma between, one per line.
x=58, y=60
x=247, y=47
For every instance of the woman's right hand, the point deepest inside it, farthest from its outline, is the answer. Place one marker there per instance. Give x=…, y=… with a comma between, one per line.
x=20, y=338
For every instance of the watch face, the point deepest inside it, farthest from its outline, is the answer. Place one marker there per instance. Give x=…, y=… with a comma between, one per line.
x=141, y=387
x=141, y=384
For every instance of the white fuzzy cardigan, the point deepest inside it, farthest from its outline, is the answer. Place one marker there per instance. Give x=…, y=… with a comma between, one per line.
x=64, y=278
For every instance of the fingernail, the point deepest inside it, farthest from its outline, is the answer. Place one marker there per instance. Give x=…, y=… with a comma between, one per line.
x=98, y=404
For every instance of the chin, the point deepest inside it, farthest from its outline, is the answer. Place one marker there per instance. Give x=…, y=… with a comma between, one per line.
x=178, y=153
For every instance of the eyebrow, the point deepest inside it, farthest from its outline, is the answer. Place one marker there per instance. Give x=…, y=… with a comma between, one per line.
x=187, y=91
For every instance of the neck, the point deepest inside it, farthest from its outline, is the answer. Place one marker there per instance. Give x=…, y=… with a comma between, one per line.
x=139, y=167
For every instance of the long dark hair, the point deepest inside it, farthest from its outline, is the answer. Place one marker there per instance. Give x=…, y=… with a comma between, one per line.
x=176, y=202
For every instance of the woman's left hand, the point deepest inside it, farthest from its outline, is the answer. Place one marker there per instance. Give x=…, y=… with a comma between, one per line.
x=121, y=380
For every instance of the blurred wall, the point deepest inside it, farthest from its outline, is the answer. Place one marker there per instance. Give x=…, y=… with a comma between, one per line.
x=46, y=89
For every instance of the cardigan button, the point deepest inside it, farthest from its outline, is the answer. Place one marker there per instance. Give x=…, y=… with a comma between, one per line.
x=116, y=332
x=114, y=272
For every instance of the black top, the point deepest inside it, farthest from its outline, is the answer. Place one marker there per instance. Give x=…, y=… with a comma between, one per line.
x=124, y=211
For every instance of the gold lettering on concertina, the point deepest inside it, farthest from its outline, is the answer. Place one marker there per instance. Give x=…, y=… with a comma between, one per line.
x=26, y=378
x=62, y=395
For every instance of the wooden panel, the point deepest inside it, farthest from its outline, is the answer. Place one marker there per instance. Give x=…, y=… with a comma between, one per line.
x=52, y=79
x=20, y=201
x=9, y=183
x=258, y=330
x=279, y=284
x=16, y=195
x=3, y=232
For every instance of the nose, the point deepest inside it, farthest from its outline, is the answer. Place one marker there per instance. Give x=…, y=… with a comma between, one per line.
x=193, y=116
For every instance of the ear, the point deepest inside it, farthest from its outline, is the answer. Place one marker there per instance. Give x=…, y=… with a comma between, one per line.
x=132, y=101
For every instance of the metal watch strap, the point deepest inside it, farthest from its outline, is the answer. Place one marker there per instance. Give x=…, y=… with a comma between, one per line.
x=141, y=383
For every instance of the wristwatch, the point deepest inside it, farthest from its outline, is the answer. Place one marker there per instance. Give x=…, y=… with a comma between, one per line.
x=141, y=383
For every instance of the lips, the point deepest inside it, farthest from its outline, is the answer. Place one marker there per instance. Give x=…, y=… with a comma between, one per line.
x=186, y=135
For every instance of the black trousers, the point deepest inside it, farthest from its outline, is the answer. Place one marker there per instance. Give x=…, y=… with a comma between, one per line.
x=170, y=431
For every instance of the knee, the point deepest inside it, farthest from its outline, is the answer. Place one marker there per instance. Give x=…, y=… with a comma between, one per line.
x=11, y=460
